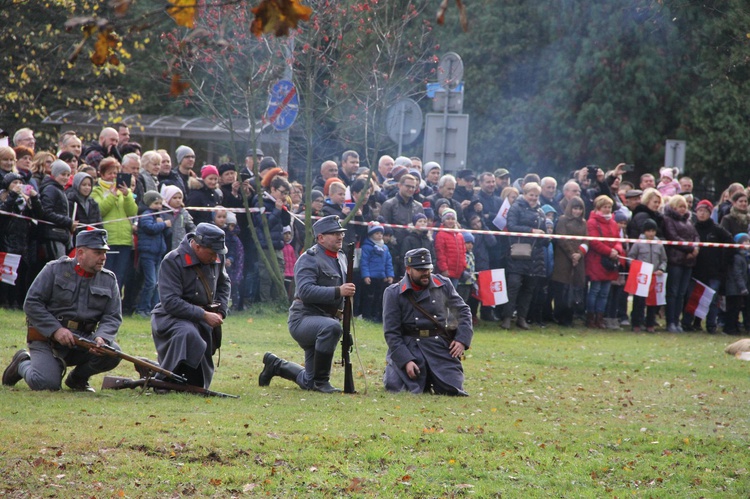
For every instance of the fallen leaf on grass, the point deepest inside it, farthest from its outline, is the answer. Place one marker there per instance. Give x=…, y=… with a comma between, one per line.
x=355, y=485
x=249, y=487
x=215, y=482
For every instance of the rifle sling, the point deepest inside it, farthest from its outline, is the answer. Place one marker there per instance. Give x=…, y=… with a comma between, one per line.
x=440, y=327
x=215, y=332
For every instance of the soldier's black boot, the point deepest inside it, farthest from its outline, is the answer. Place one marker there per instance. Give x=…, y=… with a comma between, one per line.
x=11, y=376
x=274, y=366
x=322, y=373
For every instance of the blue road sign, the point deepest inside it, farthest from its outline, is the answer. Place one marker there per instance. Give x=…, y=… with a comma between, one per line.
x=283, y=105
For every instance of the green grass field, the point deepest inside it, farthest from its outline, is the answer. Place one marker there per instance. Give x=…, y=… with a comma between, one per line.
x=552, y=413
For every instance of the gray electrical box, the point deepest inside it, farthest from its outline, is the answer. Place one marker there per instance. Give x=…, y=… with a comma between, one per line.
x=455, y=100
x=448, y=145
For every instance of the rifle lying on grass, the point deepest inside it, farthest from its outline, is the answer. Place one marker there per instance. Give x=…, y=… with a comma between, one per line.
x=118, y=383
x=145, y=368
x=144, y=364
x=347, y=341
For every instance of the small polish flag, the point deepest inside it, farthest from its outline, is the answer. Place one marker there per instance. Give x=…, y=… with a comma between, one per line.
x=493, y=289
x=500, y=220
x=700, y=299
x=9, y=267
x=657, y=295
x=639, y=278
x=583, y=248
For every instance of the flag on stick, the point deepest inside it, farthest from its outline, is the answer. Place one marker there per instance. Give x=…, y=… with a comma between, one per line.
x=500, y=220
x=493, y=289
x=639, y=278
x=657, y=295
x=700, y=299
x=9, y=267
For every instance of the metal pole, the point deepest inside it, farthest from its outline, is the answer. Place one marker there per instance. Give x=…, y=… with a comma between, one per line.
x=445, y=120
x=284, y=143
x=402, y=114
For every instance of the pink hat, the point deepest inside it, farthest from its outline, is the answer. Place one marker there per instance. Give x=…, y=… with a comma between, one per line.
x=209, y=170
x=168, y=192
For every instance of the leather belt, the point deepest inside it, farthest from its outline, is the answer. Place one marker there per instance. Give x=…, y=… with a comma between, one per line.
x=421, y=333
x=79, y=325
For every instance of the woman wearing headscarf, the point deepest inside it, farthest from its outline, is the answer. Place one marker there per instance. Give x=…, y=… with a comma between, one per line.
x=569, y=271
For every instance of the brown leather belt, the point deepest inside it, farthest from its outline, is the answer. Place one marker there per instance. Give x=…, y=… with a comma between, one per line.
x=420, y=333
x=335, y=314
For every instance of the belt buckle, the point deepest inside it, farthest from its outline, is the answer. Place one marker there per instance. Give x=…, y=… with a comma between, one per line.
x=73, y=325
x=424, y=333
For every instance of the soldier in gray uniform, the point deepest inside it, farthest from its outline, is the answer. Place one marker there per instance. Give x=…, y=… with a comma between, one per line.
x=70, y=295
x=424, y=352
x=315, y=315
x=194, y=289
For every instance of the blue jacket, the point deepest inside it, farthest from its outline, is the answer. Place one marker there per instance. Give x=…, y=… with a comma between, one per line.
x=152, y=235
x=376, y=261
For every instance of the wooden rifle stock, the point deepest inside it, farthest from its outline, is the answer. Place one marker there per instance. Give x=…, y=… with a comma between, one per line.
x=118, y=383
x=347, y=342
x=108, y=350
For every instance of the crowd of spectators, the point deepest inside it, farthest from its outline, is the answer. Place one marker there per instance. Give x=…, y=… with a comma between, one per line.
x=140, y=197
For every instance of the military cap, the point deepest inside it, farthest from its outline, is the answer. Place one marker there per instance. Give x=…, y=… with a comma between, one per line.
x=502, y=172
x=466, y=175
x=328, y=225
x=210, y=236
x=418, y=258
x=94, y=239
x=633, y=193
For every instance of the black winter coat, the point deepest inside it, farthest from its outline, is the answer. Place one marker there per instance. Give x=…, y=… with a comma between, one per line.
x=55, y=206
x=712, y=263
x=277, y=219
x=640, y=215
x=524, y=218
x=17, y=234
x=88, y=210
x=678, y=228
x=203, y=197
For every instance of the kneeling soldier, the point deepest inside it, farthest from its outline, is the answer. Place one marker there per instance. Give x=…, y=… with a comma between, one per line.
x=427, y=327
x=70, y=295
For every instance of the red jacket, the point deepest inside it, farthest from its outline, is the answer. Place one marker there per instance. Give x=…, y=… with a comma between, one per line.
x=450, y=251
x=597, y=249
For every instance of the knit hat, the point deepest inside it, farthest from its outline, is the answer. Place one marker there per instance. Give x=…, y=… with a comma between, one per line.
x=266, y=163
x=414, y=172
x=10, y=177
x=705, y=203
x=468, y=237
x=620, y=217
x=375, y=227
x=742, y=237
x=286, y=229
x=59, y=167
x=226, y=167
x=429, y=166
x=450, y=212
x=168, y=192
x=398, y=171
x=232, y=218
x=548, y=209
x=666, y=172
x=209, y=170
x=150, y=196
x=183, y=151
x=316, y=194
x=649, y=224
x=417, y=217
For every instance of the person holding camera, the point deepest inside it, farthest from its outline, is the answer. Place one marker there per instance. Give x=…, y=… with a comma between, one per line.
x=194, y=289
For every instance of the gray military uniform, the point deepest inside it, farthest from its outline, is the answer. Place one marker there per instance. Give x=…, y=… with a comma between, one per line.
x=180, y=334
x=61, y=296
x=402, y=325
x=312, y=321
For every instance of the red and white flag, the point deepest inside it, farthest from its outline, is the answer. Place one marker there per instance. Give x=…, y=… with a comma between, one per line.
x=639, y=278
x=9, y=267
x=500, y=220
x=700, y=299
x=657, y=295
x=493, y=289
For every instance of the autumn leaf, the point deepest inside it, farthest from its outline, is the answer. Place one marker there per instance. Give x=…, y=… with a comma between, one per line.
x=183, y=12
x=105, y=44
x=278, y=16
x=177, y=87
x=120, y=7
x=461, y=11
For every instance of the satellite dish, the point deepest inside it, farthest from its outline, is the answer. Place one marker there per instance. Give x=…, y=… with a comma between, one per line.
x=404, y=122
x=450, y=70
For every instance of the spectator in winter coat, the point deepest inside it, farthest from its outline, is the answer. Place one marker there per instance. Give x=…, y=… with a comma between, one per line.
x=205, y=195
x=667, y=185
x=657, y=256
x=648, y=209
x=153, y=232
x=681, y=259
x=80, y=202
x=182, y=222
x=737, y=220
x=484, y=245
x=376, y=269
x=55, y=206
x=450, y=249
x=16, y=235
x=277, y=217
x=569, y=270
x=738, y=283
x=290, y=258
x=235, y=259
x=524, y=273
x=711, y=263
x=419, y=236
x=601, y=260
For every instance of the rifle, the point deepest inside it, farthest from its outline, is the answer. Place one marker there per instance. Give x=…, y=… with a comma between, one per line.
x=347, y=341
x=118, y=383
x=145, y=365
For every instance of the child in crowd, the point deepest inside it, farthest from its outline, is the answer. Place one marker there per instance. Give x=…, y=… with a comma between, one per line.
x=468, y=281
x=418, y=236
x=335, y=204
x=616, y=314
x=391, y=243
x=376, y=268
x=182, y=222
x=657, y=256
x=290, y=258
x=450, y=249
x=235, y=260
x=737, y=285
x=153, y=232
x=667, y=185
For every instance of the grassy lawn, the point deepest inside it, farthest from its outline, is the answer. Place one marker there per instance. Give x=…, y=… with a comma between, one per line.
x=552, y=413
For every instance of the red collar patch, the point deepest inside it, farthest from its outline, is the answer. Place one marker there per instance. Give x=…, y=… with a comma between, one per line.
x=436, y=281
x=83, y=273
x=332, y=254
x=188, y=259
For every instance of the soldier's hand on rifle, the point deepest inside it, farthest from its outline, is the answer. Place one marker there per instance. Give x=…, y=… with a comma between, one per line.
x=64, y=337
x=412, y=370
x=347, y=289
x=99, y=343
x=457, y=349
x=213, y=319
